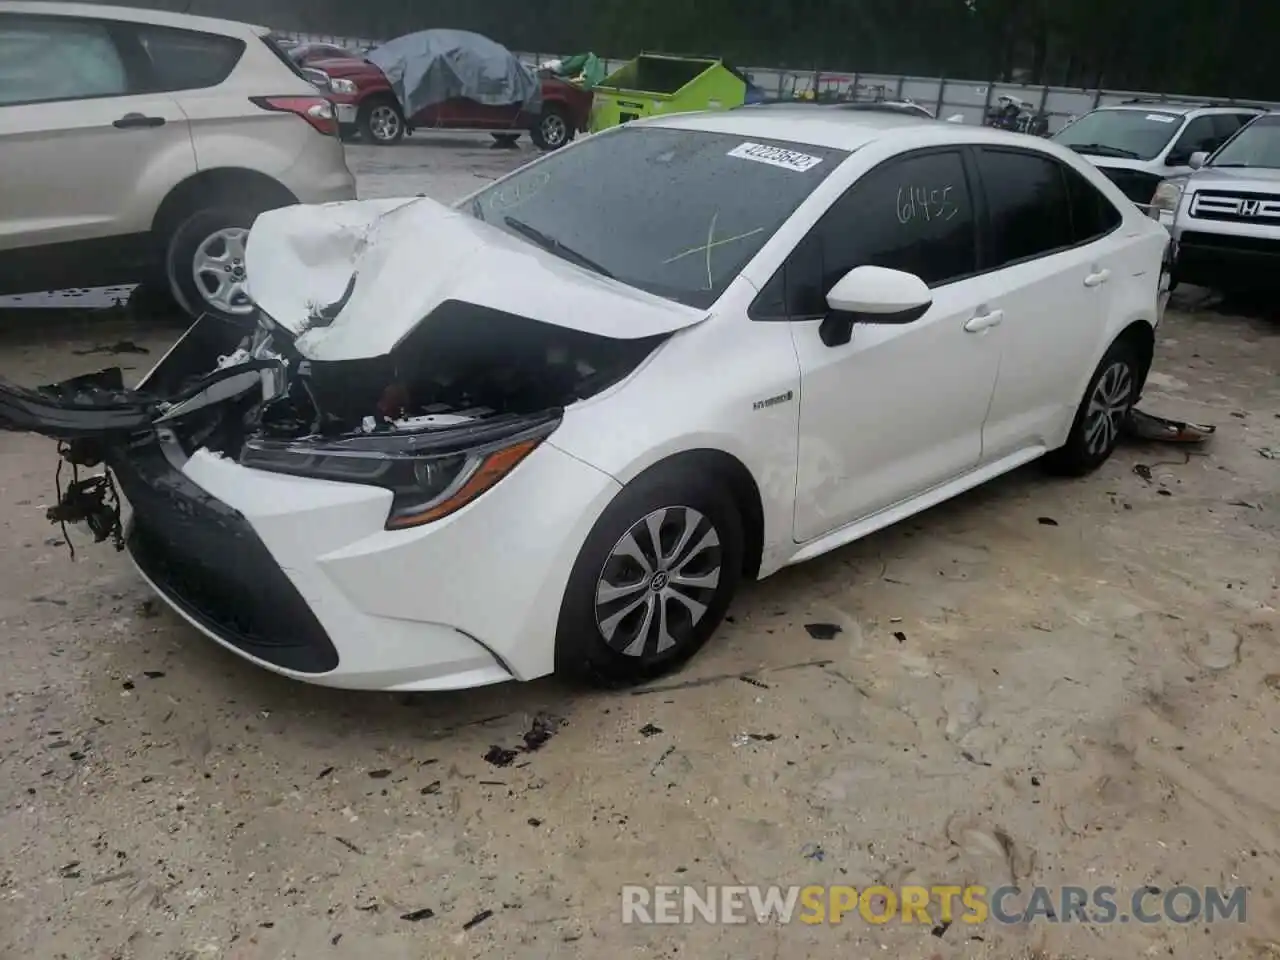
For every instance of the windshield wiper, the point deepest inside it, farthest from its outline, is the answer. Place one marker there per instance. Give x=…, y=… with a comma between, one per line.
x=548, y=242
x=1102, y=150
x=1219, y=166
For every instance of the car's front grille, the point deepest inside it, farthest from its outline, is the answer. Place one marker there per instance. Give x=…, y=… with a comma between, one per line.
x=1235, y=206
x=207, y=559
x=1137, y=186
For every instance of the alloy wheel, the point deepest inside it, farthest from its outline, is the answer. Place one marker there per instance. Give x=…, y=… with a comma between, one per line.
x=554, y=129
x=384, y=123
x=1108, y=406
x=658, y=581
x=218, y=270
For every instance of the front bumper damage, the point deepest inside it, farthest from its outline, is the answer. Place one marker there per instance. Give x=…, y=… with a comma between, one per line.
x=297, y=574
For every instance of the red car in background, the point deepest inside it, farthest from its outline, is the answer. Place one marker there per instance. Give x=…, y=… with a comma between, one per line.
x=367, y=105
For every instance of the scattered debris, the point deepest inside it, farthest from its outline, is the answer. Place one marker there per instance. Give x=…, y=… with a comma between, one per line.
x=368, y=907
x=500, y=756
x=1142, y=470
x=148, y=609
x=899, y=636
x=661, y=760
x=1272, y=680
x=1035, y=781
x=974, y=760
x=120, y=346
x=379, y=774
x=478, y=919
x=754, y=682
x=1145, y=426
x=430, y=788
x=941, y=928
x=813, y=851
x=534, y=822
x=1270, y=453
x=1046, y=521
x=349, y=845
x=649, y=730
x=153, y=674
x=426, y=913
x=742, y=739
x=324, y=773
x=823, y=631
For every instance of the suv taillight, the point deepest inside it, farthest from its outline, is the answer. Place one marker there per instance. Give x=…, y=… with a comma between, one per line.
x=317, y=111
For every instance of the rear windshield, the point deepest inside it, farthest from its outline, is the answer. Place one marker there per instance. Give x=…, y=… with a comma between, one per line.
x=1131, y=134
x=1256, y=145
x=677, y=213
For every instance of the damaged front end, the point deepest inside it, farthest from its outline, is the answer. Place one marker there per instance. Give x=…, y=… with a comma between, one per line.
x=441, y=418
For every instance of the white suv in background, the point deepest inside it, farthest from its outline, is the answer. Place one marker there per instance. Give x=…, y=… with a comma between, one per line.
x=1142, y=142
x=137, y=145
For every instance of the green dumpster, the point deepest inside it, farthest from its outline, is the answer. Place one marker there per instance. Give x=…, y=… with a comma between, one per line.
x=655, y=83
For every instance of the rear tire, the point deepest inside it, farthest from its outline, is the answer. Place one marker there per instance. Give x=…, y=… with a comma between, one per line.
x=631, y=613
x=381, y=123
x=553, y=130
x=204, y=261
x=1095, y=432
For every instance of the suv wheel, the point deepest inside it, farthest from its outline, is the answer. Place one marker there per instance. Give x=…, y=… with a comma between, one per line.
x=205, y=262
x=381, y=123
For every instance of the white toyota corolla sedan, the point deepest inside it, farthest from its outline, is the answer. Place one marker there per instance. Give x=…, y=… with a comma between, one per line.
x=557, y=425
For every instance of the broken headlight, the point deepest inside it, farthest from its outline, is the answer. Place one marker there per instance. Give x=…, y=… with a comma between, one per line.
x=429, y=476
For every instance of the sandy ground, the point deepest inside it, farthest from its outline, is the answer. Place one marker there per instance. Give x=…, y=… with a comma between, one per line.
x=1042, y=682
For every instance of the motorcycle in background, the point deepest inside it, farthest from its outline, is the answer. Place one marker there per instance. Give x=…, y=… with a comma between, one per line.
x=1014, y=113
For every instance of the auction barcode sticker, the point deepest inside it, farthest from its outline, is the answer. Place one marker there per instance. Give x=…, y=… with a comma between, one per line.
x=775, y=156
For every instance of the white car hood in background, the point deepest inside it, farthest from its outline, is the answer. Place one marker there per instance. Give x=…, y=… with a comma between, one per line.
x=1234, y=178
x=409, y=256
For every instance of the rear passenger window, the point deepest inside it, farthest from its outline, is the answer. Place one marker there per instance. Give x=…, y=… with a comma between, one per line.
x=57, y=58
x=187, y=60
x=1027, y=198
x=1092, y=214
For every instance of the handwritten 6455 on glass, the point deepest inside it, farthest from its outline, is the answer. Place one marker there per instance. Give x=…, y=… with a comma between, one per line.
x=925, y=203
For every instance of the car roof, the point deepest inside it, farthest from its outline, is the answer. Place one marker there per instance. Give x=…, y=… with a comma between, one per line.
x=160, y=18
x=1162, y=106
x=835, y=129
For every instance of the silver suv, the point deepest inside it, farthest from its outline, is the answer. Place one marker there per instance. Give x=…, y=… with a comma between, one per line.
x=1225, y=217
x=1142, y=142
x=139, y=146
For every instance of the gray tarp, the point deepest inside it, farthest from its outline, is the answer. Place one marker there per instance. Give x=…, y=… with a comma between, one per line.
x=432, y=66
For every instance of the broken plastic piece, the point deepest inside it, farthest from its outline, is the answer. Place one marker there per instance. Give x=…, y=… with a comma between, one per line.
x=1145, y=426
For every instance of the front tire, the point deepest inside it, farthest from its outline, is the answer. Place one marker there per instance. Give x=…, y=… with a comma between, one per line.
x=653, y=580
x=381, y=123
x=1095, y=432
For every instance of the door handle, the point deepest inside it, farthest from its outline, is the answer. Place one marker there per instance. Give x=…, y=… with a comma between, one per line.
x=131, y=120
x=984, y=321
x=1097, y=279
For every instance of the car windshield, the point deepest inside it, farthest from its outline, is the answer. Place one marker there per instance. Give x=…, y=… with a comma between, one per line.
x=1256, y=145
x=677, y=213
x=1131, y=134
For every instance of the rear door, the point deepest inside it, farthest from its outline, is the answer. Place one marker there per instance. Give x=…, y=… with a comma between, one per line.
x=1049, y=242
x=84, y=140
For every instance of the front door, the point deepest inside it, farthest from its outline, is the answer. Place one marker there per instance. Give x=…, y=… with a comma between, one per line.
x=899, y=409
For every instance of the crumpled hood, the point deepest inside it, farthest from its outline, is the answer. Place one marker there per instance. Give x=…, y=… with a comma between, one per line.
x=407, y=256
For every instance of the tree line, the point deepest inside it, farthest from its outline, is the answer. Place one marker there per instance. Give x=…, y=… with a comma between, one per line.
x=1177, y=46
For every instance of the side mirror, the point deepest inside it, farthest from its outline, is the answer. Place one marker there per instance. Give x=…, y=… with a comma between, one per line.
x=873, y=295
x=1198, y=159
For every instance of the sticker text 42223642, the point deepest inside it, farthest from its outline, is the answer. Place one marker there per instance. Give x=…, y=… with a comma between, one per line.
x=775, y=156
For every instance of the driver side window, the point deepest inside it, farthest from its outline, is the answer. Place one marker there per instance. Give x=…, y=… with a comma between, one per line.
x=1199, y=135
x=913, y=214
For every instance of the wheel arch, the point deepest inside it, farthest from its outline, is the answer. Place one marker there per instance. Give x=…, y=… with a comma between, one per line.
x=1141, y=336
x=742, y=486
x=210, y=187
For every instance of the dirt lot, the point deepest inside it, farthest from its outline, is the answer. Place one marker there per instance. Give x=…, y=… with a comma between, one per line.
x=1056, y=683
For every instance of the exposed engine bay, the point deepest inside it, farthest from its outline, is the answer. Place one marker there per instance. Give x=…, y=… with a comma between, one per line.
x=466, y=383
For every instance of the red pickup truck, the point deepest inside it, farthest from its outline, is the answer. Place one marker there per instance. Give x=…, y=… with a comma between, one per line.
x=367, y=105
